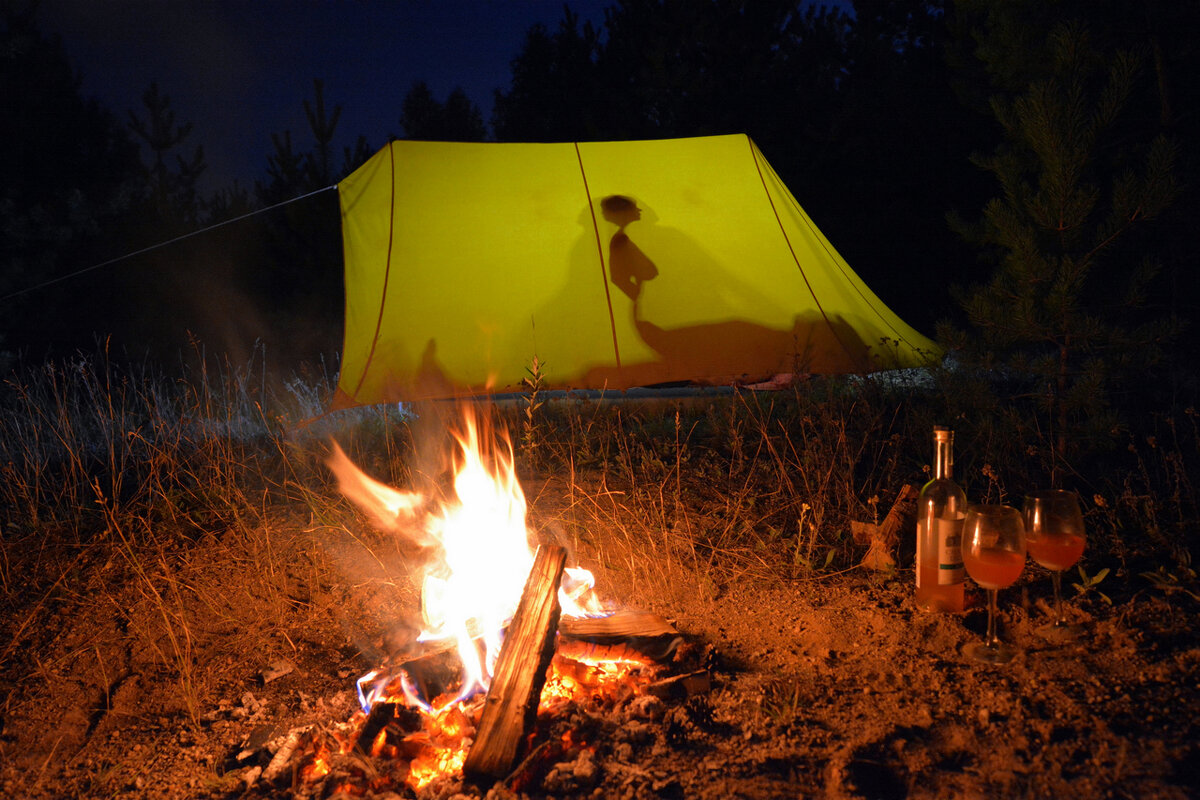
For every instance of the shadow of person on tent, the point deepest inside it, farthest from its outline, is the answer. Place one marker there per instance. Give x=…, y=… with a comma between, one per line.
x=628, y=266
x=702, y=320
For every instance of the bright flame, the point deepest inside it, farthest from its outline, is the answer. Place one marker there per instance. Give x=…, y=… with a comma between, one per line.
x=483, y=556
x=391, y=509
x=480, y=556
x=486, y=558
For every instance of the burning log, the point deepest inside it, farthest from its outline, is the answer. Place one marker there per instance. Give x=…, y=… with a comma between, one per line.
x=516, y=687
x=882, y=538
x=617, y=626
x=436, y=671
x=623, y=635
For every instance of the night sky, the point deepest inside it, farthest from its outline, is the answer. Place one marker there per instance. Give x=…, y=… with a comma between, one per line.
x=240, y=70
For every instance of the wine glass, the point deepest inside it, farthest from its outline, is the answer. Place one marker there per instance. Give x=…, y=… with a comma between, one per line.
x=993, y=551
x=1055, y=538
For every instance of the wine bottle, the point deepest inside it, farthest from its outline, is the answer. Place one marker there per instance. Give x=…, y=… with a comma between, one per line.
x=941, y=507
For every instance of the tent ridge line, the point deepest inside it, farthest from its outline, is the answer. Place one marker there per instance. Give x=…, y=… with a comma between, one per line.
x=387, y=269
x=612, y=321
x=783, y=232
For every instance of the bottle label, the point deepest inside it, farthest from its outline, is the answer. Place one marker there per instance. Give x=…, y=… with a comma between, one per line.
x=948, y=534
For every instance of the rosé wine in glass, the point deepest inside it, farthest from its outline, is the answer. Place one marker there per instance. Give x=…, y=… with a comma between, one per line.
x=1055, y=538
x=993, y=551
x=1055, y=552
x=994, y=568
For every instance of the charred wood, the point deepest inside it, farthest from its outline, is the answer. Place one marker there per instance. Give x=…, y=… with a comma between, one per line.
x=623, y=635
x=381, y=714
x=681, y=687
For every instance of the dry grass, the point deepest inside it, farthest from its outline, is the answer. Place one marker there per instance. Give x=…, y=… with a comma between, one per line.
x=191, y=515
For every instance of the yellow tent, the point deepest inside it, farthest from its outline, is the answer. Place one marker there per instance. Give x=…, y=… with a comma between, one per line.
x=615, y=264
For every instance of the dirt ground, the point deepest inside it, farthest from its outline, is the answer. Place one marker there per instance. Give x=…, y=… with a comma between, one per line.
x=830, y=686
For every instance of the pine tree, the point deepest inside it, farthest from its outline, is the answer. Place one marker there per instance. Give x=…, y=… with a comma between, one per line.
x=457, y=120
x=172, y=186
x=70, y=173
x=1062, y=315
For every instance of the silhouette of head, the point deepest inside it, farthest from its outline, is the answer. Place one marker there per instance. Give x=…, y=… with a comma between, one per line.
x=620, y=210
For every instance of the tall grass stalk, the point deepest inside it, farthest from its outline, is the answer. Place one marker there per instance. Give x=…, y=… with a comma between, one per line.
x=211, y=497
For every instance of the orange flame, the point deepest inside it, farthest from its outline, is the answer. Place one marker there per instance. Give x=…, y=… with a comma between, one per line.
x=482, y=552
x=481, y=555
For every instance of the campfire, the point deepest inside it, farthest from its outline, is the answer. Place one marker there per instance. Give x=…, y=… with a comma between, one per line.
x=512, y=639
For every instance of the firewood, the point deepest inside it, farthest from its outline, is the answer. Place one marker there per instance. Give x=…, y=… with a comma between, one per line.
x=618, y=625
x=439, y=670
x=881, y=539
x=284, y=748
x=512, y=699
x=534, y=767
x=623, y=635
x=657, y=650
x=681, y=687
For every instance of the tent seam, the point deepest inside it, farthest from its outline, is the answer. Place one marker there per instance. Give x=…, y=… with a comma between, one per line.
x=387, y=271
x=792, y=250
x=612, y=320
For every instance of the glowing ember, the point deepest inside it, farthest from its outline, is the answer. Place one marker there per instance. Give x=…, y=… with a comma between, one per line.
x=571, y=680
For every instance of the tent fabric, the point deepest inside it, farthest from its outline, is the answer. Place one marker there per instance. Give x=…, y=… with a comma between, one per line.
x=615, y=264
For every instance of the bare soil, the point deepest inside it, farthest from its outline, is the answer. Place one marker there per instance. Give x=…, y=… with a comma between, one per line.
x=827, y=684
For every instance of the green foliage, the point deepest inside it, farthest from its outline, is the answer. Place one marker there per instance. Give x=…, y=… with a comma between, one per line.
x=556, y=91
x=1089, y=583
x=1179, y=579
x=781, y=701
x=533, y=405
x=69, y=174
x=1062, y=314
x=296, y=251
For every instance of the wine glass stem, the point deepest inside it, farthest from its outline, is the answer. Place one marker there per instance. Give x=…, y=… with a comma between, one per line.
x=992, y=640
x=1056, y=576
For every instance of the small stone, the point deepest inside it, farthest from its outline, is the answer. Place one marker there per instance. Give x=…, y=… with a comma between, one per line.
x=250, y=776
x=275, y=670
x=584, y=769
x=646, y=706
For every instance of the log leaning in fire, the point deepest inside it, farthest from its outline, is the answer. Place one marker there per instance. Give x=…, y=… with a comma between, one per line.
x=520, y=672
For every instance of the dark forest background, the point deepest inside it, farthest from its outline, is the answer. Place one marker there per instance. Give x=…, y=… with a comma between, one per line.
x=1018, y=176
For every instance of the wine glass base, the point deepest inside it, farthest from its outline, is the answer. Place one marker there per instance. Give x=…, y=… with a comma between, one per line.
x=998, y=653
x=1060, y=632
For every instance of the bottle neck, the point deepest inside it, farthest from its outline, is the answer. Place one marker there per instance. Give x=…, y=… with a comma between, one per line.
x=943, y=458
